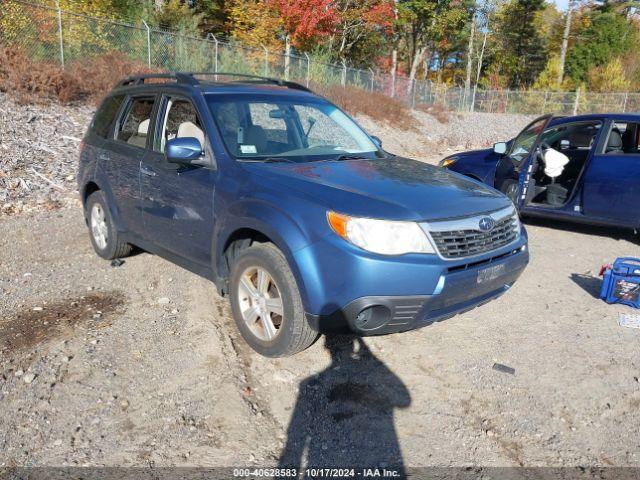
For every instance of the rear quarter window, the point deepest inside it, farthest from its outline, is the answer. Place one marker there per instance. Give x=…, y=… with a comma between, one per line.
x=105, y=115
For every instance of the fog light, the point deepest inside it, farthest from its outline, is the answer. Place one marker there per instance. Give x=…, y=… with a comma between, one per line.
x=372, y=317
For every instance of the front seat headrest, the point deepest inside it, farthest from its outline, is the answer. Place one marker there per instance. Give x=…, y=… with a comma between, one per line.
x=255, y=135
x=615, y=142
x=190, y=129
x=143, y=128
x=580, y=139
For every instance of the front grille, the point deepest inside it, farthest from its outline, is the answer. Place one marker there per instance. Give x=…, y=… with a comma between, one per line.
x=469, y=242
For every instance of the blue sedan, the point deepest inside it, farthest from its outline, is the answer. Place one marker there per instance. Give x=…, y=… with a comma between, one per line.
x=583, y=168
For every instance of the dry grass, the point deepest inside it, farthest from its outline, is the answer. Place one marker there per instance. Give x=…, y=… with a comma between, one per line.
x=40, y=82
x=375, y=105
x=437, y=111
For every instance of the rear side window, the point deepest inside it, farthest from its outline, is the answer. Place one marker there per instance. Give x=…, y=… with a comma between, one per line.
x=624, y=139
x=133, y=127
x=105, y=115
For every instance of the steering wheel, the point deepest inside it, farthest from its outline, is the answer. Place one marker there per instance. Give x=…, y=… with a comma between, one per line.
x=544, y=146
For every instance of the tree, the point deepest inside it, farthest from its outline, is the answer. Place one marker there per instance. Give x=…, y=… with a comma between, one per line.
x=430, y=25
x=215, y=16
x=177, y=15
x=609, y=35
x=608, y=78
x=362, y=28
x=519, y=50
x=255, y=23
x=306, y=22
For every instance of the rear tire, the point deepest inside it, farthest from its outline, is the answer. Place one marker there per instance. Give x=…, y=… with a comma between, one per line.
x=266, y=303
x=104, y=236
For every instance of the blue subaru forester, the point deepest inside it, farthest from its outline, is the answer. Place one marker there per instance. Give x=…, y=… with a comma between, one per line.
x=291, y=209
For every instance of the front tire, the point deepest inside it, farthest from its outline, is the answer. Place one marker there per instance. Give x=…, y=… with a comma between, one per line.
x=266, y=303
x=103, y=233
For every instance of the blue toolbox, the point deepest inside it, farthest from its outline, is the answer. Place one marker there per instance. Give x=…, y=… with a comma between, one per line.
x=621, y=282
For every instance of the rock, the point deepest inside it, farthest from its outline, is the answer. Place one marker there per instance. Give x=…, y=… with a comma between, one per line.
x=163, y=301
x=284, y=376
x=37, y=309
x=19, y=372
x=29, y=377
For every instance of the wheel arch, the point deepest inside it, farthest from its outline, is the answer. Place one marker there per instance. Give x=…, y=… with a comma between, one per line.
x=90, y=187
x=96, y=185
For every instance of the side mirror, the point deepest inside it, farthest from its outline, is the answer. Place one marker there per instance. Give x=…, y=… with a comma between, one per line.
x=377, y=141
x=500, y=148
x=183, y=150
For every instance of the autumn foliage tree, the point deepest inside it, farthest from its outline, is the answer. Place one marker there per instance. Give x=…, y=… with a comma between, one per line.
x=306, y=22
x=362, y=29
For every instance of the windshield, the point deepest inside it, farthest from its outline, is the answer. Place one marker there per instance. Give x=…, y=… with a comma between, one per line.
x=524, y=142
x=273, y=128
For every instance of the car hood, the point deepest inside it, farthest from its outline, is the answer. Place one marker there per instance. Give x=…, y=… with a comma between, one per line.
x=395, y=188
x=483, y=154
x=475, y=153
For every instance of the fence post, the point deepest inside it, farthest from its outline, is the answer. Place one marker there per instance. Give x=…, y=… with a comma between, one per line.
x=308, y=68
x=624, y=104
x=266, y=61
x=215, y=53
x=60, y=33
x=576, y=103
x=148, y=43
x=373, y=74
x=344, y=74
x=544, y=103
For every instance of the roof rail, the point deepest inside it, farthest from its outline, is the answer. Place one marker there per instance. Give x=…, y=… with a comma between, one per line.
x=189, y=78
x=140, y=79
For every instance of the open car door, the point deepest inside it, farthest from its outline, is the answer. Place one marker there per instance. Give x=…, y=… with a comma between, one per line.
x=523, y=152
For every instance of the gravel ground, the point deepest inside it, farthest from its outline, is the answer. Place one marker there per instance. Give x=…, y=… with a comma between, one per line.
x=141, y=364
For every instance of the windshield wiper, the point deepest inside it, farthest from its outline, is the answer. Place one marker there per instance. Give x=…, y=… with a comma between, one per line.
x=352, y=157
x=268, y=159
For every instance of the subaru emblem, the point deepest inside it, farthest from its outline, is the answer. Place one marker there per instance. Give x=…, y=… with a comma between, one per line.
x=486, y=224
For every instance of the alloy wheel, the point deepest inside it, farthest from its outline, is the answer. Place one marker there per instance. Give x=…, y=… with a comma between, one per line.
x=260, y=303
x=99, y=229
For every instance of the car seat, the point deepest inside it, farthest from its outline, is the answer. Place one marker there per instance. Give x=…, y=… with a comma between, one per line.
x=255, y=135
x=614, y=144
x=554, y=163
x=139, y=139
x=190, y=129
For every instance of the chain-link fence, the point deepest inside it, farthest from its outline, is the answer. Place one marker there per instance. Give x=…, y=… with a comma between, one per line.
x=48, y=34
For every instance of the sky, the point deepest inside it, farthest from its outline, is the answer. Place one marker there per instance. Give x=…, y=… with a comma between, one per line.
x=561, y=4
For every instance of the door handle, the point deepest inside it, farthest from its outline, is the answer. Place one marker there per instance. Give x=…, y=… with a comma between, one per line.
x=146, y=170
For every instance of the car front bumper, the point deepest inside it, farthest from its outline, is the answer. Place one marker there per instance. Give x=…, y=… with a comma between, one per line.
x=447, y=289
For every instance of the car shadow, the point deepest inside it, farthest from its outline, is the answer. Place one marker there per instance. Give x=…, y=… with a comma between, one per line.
x=344, y=415
x=588, y=283
x=602, y=231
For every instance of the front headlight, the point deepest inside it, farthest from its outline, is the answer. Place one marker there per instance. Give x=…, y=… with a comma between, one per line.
x=381, y=236
x=447, y=161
